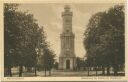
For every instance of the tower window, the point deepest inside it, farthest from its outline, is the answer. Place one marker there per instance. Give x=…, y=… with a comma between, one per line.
x=67, y=20
x=67, y=30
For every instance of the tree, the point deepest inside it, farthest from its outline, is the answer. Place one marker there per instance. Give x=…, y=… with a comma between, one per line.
x=9, y=38
x=104, y=38
x=48, y=59
x=80, y=63
x=22, y=37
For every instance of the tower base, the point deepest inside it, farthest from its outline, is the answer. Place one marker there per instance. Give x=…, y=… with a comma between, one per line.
x=67, y=63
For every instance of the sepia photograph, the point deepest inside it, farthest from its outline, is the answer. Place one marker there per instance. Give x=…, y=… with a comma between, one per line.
x=64, y=39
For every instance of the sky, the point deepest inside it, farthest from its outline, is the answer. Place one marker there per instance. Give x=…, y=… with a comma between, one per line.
x=48, y=15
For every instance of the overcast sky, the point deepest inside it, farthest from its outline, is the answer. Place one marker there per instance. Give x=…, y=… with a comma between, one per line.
x=49, y=16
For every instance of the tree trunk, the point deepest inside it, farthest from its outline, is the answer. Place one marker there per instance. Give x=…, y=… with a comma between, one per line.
x=5, y=71
x=115, y=70
x=103, y=70
x=10, y=71
x=45, y=71
x=108, y=70
x=20, y=71
x=88, y=71
x=35, y=71
x=96, y=71
x=28, y=70
x=50, y=72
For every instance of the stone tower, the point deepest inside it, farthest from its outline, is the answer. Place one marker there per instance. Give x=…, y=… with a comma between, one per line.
x=67, y=58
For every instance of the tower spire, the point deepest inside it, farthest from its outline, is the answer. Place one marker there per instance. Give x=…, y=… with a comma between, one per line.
x=67, y=8
x=67, y=19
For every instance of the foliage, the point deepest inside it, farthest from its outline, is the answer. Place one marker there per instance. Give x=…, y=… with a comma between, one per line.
x=104, y=38
x=48, y=58
x=22, y=37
